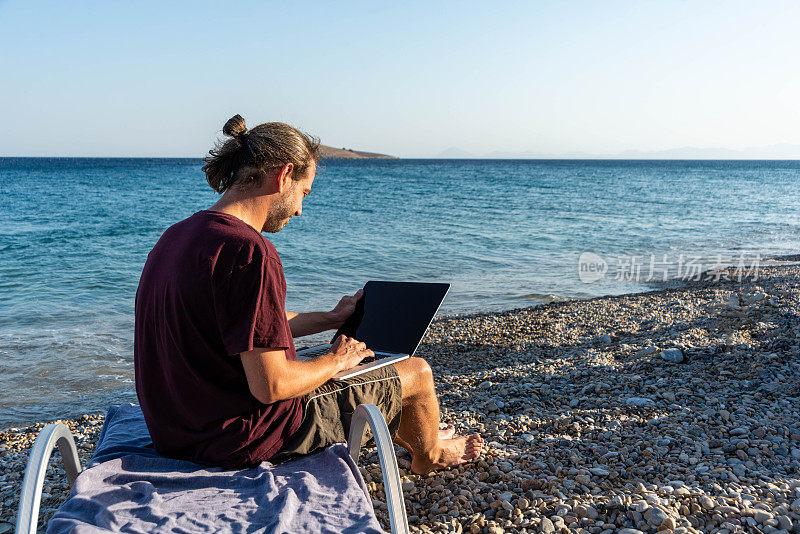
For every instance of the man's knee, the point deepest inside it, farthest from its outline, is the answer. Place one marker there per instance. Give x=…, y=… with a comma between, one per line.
x=416, y=376
x=422, y=369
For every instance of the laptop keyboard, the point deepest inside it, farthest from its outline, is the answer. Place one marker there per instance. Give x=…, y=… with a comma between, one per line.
x=318, y=351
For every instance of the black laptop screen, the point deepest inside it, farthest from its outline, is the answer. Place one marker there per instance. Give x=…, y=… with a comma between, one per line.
x=393, y=316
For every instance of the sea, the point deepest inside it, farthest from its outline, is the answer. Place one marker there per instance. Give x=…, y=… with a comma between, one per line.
x=507, y=234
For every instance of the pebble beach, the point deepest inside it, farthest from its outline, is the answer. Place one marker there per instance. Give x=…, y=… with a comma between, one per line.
x=675, y=410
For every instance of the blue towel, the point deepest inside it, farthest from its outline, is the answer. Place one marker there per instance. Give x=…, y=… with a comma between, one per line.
x=128, y=487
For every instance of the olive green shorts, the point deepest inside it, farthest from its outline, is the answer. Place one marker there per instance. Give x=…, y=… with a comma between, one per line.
x=329, y=409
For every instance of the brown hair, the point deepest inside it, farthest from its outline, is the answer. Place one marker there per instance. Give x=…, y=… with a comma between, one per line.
x=267, y=146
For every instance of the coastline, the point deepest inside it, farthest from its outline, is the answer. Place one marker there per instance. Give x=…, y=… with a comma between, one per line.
x=587, y=427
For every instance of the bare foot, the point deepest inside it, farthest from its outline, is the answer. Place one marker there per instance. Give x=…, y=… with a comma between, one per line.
x=447, y=432
x=451, y=452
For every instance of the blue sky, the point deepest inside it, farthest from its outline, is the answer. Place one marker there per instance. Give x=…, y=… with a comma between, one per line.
x=411, y=79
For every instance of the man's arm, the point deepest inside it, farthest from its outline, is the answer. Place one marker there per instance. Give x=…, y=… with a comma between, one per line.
x=304, y=324
x=272, y=378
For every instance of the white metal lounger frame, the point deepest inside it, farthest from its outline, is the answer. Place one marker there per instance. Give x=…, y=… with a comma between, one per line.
x=58, y=434
x=31, y=496
x=369, y=413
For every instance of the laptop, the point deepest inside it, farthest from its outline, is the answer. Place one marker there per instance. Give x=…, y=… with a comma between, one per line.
x=391, y=318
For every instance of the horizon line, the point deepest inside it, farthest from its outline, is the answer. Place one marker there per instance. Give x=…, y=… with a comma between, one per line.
x=394, y=158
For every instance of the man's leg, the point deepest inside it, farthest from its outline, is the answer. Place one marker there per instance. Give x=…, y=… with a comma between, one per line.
x=444, y=433
x=419, y=423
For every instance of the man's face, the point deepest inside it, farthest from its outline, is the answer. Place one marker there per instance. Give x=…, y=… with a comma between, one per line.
x=290, y=203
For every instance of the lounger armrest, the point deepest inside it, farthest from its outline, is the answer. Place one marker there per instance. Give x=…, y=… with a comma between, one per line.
x=52, y=435
x=369, y=413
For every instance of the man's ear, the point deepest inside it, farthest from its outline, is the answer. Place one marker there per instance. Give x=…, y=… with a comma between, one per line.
x=284, y=177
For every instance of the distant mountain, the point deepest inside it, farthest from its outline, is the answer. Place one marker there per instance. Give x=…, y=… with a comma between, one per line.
x=778, y=151
x=348, y=153
x=683, y=152
x=528, y=154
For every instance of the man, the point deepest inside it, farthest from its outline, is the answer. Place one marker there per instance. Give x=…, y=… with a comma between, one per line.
x=217, y=376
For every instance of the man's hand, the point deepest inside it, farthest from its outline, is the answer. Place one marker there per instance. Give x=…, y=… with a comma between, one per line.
x=345, y=308
x=349, y=352
x=303, y=324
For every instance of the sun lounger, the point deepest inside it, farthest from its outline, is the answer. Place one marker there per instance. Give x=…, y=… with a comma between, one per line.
x=128, y=487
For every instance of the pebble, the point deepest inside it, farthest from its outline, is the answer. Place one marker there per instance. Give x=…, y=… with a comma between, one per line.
x=655, y=516
x=546, y=526
x=640, y=401
x=762, y=516
x=672, y=355
x=649, y=349
x=707, y=503
x=667, y=524
x=785, y=522
x=586, y=510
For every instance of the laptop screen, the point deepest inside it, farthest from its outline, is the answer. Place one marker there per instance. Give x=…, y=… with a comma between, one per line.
x=393, y=316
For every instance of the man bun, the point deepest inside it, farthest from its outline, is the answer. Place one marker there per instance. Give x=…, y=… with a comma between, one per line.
x=235, y=126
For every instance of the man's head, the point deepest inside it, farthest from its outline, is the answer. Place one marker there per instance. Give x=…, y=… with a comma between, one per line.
x=272, y=159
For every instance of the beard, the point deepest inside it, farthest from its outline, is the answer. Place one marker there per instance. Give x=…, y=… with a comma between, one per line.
x=279, y=215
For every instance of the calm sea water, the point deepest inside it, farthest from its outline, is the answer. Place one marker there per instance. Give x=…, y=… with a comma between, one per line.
x=74, y=234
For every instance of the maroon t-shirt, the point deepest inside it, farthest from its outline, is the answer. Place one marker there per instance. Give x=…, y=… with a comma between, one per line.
x=212, y=288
